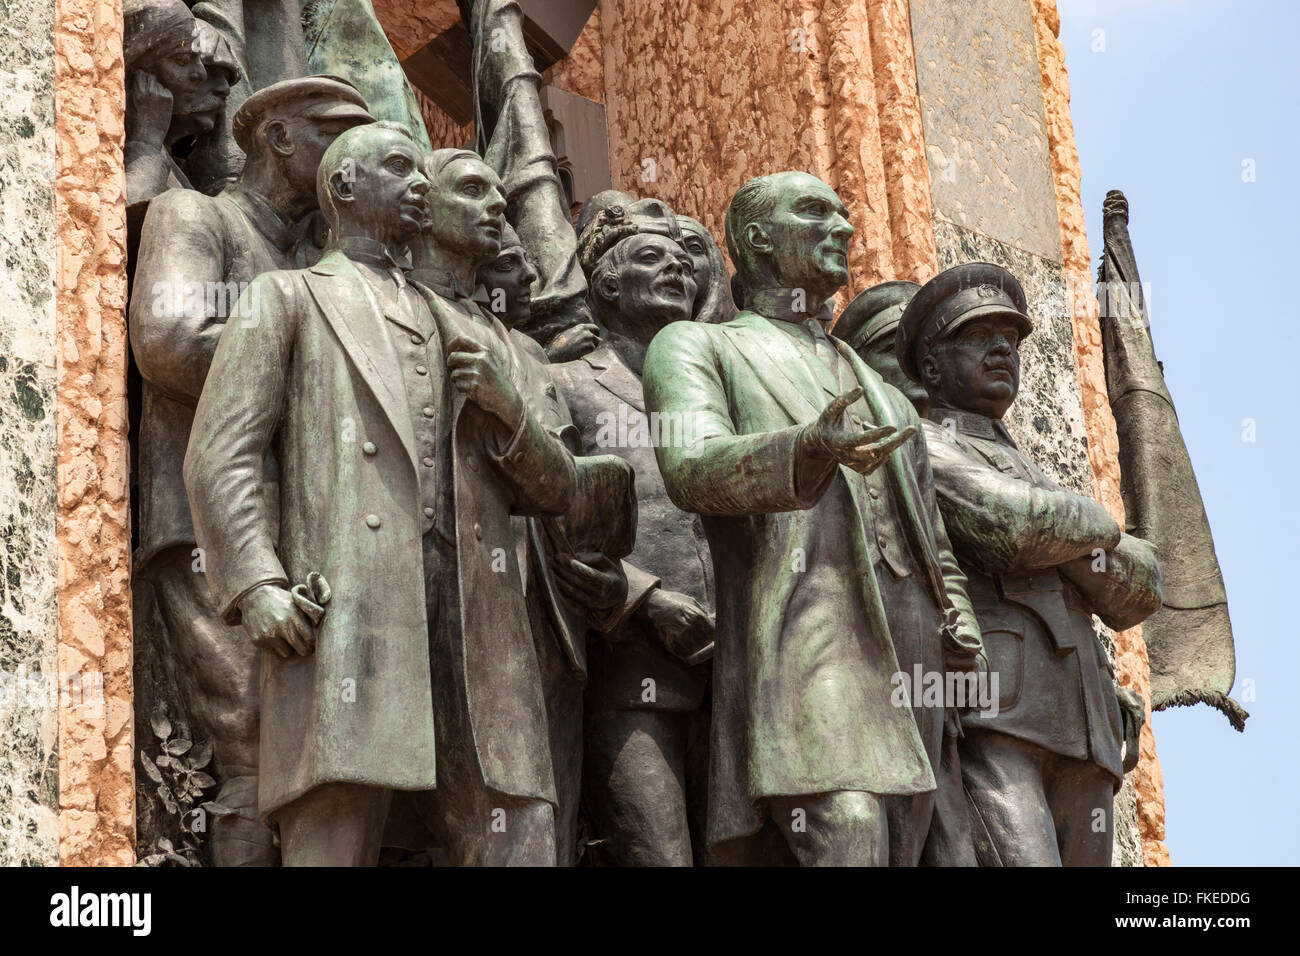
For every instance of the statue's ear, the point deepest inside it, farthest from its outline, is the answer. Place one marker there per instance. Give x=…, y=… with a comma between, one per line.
x=341, y=184
x=277, y=137
x=929, y=368
x=607, y=286
x=756, y=237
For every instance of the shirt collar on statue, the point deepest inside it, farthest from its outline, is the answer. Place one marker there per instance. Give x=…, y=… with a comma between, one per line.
x=780, y=304
x=261, y=212
x=374, y=253
x=972, y=424
x=443, y=282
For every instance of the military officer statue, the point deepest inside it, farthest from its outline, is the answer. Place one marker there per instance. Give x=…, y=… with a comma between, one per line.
x=815, y=494
x=1041, y=767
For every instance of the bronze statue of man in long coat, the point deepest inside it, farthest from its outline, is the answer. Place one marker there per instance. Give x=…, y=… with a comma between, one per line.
x=403, y=449
x=816, y=497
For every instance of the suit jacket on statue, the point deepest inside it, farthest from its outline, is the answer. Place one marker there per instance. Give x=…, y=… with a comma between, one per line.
x=671, y=551
x=803, y=666
x=1027, y=545
x=602, y=518
x=314, y=374
x=197, y=255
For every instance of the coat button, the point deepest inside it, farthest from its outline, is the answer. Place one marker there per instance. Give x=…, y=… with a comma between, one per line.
x=428, y=462
x=429, y=411
x=369, y=448
x=416, y=340
x=373, y=521
x=421, y=370
x=873, y=493
x=428, y=512
x=478, y=531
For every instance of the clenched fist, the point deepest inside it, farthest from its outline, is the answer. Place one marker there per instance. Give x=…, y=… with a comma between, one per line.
x=484, y=380
x=274, y=623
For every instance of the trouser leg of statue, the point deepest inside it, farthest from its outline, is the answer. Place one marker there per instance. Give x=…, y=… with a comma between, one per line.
x=336, y=824
x=842, y=828
x=635, y=790
x=219, y=680
x=562, y=689
x=1034, y=807
x=914, y=626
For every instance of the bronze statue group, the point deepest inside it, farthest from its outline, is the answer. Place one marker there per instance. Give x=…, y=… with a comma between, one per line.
x=466, y=599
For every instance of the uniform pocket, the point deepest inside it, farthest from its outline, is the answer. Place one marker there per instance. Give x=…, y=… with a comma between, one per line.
x=1005, y=651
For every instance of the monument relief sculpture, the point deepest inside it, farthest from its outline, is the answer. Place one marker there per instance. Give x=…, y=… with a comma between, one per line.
x=1041, y=769
x=573, y=581
x=403, y=448
x=647, y=675
x=829, y=551
x=479, y=534
x=197, y=255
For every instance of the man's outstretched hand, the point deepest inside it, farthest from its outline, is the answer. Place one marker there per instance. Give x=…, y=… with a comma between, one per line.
x=850, y=440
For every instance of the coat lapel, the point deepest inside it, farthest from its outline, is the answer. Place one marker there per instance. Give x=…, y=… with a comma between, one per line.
x=793, y=387
x=617, y=377
x=353, y=312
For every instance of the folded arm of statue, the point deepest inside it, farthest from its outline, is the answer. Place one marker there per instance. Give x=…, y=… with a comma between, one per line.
x=1121, y=584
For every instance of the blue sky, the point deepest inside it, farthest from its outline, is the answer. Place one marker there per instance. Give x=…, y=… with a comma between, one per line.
x=1168, y=102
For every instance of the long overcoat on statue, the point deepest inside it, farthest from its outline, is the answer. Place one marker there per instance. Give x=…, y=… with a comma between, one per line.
x=804, y=663
x=313, y=371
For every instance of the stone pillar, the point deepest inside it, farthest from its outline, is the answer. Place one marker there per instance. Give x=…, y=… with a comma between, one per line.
x=96, y=779
x=1006, y=189
x=828, y=87
x=29, y=686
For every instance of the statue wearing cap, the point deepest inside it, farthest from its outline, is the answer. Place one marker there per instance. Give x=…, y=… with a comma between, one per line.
x=207, y=164
x=1050, y=746
x=869, y=324
x=198, y=255
x=636, y=780
x=816, y=499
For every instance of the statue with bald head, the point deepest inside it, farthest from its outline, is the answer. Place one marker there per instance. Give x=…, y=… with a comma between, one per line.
x=403, y=449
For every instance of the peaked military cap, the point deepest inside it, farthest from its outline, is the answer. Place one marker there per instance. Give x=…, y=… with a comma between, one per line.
x=874, y=313
x=950, y=300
